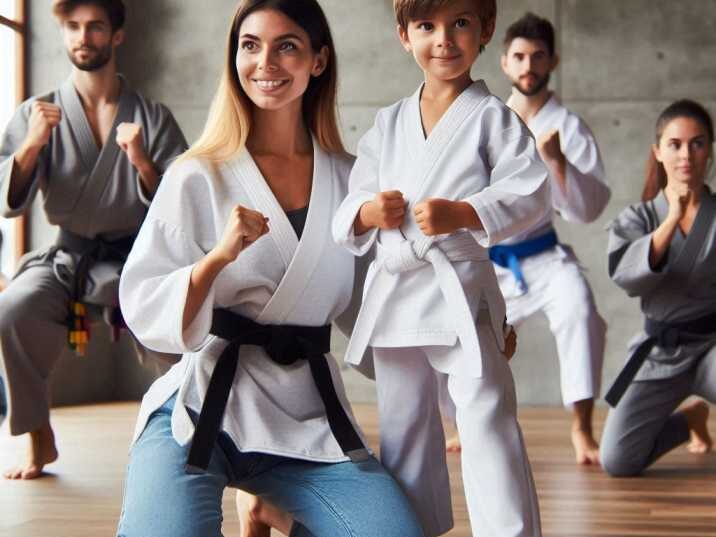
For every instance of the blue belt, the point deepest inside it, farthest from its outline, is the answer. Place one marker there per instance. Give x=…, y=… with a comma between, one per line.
x=509, y=255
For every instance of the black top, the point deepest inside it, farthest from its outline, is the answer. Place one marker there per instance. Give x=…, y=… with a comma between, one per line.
x=297, y=217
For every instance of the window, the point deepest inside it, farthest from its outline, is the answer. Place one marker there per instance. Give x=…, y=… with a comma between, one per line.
x=12, y=91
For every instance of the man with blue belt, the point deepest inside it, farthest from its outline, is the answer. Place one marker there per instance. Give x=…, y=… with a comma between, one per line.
x=536, y=272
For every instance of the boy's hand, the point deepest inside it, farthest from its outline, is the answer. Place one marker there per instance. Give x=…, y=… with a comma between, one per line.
x=436, y=216
x=386, y=211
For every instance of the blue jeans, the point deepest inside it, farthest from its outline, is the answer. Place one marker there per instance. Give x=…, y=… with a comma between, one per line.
x=325, y=500
x=3, y=399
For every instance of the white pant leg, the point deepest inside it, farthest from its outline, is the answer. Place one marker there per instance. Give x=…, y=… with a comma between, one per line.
x=579, y=330
x=412, y=441
x=499, y=489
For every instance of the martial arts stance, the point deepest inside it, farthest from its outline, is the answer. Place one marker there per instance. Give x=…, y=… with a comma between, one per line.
x=663, y=250
x=441, y=176
x=236, y=268
x=67, y=145
x=536, y=272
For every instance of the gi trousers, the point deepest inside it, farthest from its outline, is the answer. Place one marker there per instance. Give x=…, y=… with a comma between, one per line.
x=499, y=489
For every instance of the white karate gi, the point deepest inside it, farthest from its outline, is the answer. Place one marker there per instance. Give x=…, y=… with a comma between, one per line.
x=434, y=304
x=277, y=280
x=556, y=284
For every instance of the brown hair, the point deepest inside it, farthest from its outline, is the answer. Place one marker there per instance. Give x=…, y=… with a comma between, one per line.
x=408, y=10
x=531, y=27
x=229, y=121
x=655, y=180
x=114, y=8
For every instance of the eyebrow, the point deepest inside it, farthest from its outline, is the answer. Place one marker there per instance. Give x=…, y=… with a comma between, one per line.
x=279, y=38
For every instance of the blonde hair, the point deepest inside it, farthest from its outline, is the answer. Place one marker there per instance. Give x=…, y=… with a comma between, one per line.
x=229, y=122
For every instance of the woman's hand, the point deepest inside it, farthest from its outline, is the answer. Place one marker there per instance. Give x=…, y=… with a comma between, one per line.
x=243, y=228
x=678, y=195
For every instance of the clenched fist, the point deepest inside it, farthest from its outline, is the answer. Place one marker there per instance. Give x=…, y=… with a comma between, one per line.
x=130, y=140
x=386, y=211
x=243, y=228
x=436, y=216
x=549, y=147
x=678, y=195
x=43, y=118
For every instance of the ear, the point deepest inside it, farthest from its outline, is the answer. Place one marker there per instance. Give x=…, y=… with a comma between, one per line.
x=503, y=63
x=487, y=31
x=404, y=40
x=321, y=61
x=555, y=62
x=657, y=152
x=118, y=37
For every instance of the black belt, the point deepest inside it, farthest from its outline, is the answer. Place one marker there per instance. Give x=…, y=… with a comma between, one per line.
x=90, y=251
x=285, y=344
x=667, y=335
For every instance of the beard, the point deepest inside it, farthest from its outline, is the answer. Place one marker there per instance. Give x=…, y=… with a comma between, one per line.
x=539, y=86
x=100, y=58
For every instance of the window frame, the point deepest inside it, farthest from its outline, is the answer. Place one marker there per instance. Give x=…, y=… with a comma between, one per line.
x=20, y=27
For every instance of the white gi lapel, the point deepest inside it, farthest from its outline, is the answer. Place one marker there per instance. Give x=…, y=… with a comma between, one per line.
x=300, y=257
x=250, y=177
x=435, y=144
x=313, y=239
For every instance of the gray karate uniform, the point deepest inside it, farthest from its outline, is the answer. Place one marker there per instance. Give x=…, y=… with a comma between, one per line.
x=91, y=193
x=643, y=426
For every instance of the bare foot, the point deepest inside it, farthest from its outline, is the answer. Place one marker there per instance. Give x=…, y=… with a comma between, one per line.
x=586, y=449
x=257, y=516
x=697, y=415
x=453, y=445
x=41, y=451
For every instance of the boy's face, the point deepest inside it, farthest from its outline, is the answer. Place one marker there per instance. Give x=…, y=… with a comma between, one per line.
x=446, y=42
x=528, y=65
x=88, y=36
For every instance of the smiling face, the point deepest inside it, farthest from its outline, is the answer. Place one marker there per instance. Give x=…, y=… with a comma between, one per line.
x=684, y=150
x=528, y=64
x=275, y=60
x=446, y=42
x=88, y=37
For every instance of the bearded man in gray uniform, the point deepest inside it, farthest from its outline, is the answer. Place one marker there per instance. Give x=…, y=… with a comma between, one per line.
x=97, y=151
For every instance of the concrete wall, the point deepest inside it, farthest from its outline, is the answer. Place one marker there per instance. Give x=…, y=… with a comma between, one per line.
x=622, y=62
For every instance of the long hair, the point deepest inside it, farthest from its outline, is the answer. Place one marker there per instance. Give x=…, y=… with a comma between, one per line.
x=229, y=122
x=655, y=180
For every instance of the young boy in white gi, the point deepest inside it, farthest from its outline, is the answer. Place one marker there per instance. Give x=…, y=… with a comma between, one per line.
x=443, y=175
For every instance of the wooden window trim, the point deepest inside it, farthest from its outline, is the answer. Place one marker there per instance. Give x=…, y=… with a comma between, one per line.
x=19, y=25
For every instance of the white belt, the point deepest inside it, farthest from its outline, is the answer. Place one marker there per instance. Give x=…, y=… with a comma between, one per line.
x=411, y=255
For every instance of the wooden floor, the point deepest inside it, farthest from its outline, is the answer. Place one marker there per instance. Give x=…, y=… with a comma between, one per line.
x=82, y=495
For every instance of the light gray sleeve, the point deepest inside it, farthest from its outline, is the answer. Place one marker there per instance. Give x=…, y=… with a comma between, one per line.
x=628, y=252
x=12, y=139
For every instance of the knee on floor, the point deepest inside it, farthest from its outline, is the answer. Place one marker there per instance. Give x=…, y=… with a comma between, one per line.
x=616, y=464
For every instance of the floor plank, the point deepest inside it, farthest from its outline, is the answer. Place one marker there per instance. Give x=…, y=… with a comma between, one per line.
x=82, y=495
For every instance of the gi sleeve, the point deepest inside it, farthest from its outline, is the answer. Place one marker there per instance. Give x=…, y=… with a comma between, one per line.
x=518, y=195
x=363, y=186
x=628, y=252
x=587, y=192
x=12, y=139
x=155, y=280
